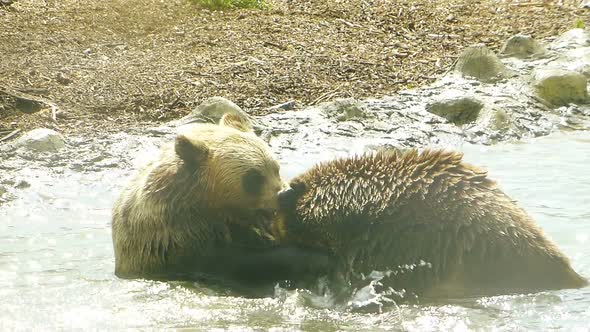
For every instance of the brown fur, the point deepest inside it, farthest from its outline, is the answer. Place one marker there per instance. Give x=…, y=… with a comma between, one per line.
x=181, y=208
x=438, y=224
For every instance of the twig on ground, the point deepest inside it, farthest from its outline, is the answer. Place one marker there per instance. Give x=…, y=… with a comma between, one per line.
x=54, y=113
x=9, y=136
x=325, y=96
x=30, y=98
x=351, y=25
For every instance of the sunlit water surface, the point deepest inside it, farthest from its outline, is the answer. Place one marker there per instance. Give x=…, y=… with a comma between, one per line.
x=56, y=259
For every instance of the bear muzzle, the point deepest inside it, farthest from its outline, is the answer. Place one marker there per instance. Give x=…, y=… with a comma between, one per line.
x=286, y=198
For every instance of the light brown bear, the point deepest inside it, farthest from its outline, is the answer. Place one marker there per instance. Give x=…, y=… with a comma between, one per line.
x=200, y=209
x=437, y=224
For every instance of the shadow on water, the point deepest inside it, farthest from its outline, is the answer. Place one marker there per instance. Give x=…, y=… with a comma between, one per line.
x=56, y=259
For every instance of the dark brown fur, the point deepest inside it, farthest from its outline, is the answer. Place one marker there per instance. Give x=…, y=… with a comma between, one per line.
x=438, y=224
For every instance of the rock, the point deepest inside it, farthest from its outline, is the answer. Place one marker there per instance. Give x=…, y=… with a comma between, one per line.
x=4, y=195
x=495, y=119
x=42, y=140
x=575, y=58
x=21, y=184
x=572, y=38
x=380, y=126
x=63, y=79
x=212, y=109
x=584, y=70
x=284, y=106
x=560, y=87
x=164, y=130
x=458, y=110
x=479, y=62
x=345, y=109
x=522, y=46
x=585, y=4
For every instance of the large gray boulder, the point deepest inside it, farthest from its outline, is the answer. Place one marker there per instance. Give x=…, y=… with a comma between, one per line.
x=522, y=46
x=41, y=140
x=458, y=110
x=560, y=87
x=577, y=59
x=572, y=38
x=212, y=109
x=479, y=62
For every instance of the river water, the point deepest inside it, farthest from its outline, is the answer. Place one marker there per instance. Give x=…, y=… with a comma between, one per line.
x=56, y=259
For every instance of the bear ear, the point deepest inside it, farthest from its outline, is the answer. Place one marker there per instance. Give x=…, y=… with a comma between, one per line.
x=235, y=121
x=298, y=186
x=193, y=153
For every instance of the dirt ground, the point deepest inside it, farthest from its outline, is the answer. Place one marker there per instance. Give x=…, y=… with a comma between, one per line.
x=110, y=64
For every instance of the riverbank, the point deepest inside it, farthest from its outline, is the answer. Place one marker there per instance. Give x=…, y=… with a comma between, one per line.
x=89, y=67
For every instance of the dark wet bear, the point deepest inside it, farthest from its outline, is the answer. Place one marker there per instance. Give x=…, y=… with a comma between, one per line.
x=435, y=225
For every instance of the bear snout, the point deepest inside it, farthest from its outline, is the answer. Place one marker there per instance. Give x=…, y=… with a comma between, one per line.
x=287, y=198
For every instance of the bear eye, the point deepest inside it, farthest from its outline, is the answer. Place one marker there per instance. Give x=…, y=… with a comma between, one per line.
x=253, y=181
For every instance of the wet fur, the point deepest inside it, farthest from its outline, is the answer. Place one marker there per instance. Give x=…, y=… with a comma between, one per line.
x=183, y=209
x=438, y=224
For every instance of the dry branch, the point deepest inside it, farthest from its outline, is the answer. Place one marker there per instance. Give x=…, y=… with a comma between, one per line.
x=18, y=95
x=9, y=136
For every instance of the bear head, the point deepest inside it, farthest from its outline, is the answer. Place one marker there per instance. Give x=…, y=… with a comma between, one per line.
x=234, y=168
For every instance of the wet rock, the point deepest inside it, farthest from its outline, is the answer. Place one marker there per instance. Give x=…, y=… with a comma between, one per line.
x=164, y=130
x=22, y=184
x=560, y=87
x=584, y=70
x=458, y=110
x=42, y=140
x=4, y=195
x=212, y=109
x=349, y=129
x=384, y=146
x=108, y=163
x=572, y=38
x=287, y=106
x=12, y=182
x=479, y=62
x=494, y=119
x=522, y=46
x=577, y=59
x=381, y=126
x=344, y=109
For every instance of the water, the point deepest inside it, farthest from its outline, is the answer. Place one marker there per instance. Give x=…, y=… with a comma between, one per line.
x=56, y=259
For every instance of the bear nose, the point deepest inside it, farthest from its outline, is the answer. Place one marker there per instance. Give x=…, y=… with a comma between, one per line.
x=286, y=198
